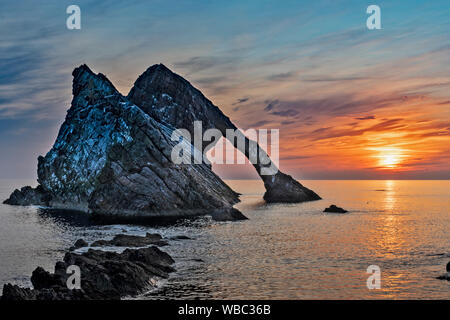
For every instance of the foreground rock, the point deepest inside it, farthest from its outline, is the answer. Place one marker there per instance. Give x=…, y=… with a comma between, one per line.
x=80, y=243
x=171, y=99
x=335, y=209
x=104, y=275
x=123, y=240
x=113, y=160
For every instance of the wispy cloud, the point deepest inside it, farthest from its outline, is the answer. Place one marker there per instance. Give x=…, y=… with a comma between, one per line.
x=282, y=76
x=366, y=118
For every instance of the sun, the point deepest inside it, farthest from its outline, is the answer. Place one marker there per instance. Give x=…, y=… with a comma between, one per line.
x=389, y=160
x=389, y=157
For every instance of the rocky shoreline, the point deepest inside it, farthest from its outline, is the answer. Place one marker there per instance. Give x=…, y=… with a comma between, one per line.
x=105, y=275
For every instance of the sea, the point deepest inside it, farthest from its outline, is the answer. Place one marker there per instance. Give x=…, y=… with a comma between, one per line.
x=283, y=251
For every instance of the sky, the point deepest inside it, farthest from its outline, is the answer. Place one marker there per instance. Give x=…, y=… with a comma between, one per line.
x=350, y=103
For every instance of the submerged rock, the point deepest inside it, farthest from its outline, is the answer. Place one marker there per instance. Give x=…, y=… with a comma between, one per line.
x=180, y=237
x=171, y=99
x=113, y=160
x=80, y=243
x=122, y=240
x=104, y=275
x=445, y=276
x=231, y=214
x=335, y=209
x=29, y=196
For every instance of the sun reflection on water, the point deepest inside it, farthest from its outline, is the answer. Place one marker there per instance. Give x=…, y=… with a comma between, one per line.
x=390, y=195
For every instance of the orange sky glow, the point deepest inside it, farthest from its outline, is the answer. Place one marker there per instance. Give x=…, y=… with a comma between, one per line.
x=350, y=103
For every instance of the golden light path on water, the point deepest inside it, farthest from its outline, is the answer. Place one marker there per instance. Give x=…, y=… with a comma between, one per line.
x=284, y=251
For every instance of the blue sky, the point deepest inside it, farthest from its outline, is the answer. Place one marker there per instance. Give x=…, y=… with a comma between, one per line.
x=295, y=65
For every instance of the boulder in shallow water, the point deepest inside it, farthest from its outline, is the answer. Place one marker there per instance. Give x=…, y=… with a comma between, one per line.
x=446, y=276
x=231, y=214
x=180, y=237
x=80, y=243
x=335, y=209
x=27, y=196
x=123, y=240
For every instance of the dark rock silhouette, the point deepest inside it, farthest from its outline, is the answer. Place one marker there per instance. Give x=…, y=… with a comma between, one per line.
x=104, y=275
x=445, y=276
x=227, y=215
x=112, y=159
x=28, y=195
x=181, y=237
x=80, y=243
x=335, y=209
x=123, y=240
x=15, y=293
x=170, y=99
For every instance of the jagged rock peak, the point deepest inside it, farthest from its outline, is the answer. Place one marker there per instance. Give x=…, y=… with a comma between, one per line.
x=83, y=74
x=160, y=83
x=171, y=99
x=158, y=71
x=88, y=88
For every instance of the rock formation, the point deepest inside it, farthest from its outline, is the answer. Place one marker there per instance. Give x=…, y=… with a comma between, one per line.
x=445, y=276
x=113, y=160
x=124, y=240
x=172, y=100
x=104, y=275
x=80, y=243
x=335, y=209
x=112, y=155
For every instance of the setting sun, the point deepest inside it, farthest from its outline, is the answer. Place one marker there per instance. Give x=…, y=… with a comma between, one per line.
x=389, y=160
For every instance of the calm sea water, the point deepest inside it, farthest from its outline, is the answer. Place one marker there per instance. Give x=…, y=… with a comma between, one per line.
x=285, y=251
